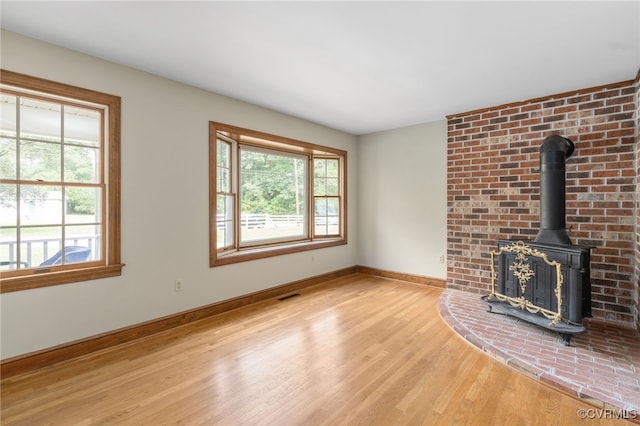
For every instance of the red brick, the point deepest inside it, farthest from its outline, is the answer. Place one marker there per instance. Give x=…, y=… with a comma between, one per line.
x=496, y=159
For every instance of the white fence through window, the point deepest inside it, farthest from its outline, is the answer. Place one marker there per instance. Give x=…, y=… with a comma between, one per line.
x=36, y=251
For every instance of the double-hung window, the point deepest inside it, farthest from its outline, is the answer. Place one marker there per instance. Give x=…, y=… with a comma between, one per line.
x=60, y=183
x=271, y=195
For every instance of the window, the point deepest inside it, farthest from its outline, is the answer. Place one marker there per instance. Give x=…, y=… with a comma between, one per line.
x=59, y=183
x=272, y=195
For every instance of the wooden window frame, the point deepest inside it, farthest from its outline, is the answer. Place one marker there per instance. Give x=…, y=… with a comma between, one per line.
x=326, y=197
x=110, y=265
x=244, y=136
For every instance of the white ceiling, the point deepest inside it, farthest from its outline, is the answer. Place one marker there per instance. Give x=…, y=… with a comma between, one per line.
x=359, y=67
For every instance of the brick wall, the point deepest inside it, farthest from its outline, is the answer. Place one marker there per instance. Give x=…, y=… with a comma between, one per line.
x=493, y=188
x=637, y=268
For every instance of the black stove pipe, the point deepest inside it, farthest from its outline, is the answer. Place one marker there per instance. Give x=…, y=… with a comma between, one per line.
x=554, y=152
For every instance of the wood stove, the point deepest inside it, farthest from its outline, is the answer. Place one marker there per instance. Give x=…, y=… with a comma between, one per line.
x=547, y=281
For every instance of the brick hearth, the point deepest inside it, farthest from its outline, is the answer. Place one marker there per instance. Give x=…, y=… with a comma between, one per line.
x=602, y=365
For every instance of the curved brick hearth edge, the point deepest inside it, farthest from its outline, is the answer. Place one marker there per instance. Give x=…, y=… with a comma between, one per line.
x=601, y=366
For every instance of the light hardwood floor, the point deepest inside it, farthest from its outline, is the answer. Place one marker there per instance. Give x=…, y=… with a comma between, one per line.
x=356, y=350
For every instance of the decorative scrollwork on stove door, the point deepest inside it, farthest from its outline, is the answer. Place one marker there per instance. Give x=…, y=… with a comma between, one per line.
x=521, y=269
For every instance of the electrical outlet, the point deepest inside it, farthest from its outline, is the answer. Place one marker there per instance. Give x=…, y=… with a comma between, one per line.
x=441, y=259
x=178, y=285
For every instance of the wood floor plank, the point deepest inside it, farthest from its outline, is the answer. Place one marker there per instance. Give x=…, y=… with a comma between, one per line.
x=352, y=351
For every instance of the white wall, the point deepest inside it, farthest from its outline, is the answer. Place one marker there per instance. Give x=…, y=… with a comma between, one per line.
x=164, y=205
x=397, y=204
x=402, y=221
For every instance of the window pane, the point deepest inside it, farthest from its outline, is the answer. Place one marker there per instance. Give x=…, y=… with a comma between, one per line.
x=319, y=186
x=332, y=186
x=319, y=168
x=39, y=244
x=327, y=216
x=333, y=169
x=8, y=115
x=40, y=161
x=224, y=221
x=223, y=164
x=8, y=248
x=320, y=216
x=7, y=158
x=223, y=180
x=326, y=177
x=272, y=189
x=82, y=126
x=8, y=205
x=81, y=164
x=87, y=240
x=82, y=205
x=40, y=120
x=40, y=205
x=222, y=151
x=333, y=216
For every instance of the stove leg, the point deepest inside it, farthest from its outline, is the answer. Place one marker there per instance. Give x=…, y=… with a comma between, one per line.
x=566, y=338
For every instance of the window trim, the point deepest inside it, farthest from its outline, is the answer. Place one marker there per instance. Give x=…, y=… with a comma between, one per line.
x=111, y=264
x=287, y=145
